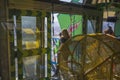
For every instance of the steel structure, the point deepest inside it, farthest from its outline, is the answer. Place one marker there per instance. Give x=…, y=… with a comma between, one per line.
x=90, y=57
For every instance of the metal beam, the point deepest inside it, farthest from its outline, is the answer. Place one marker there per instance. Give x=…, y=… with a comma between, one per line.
x=59, y=7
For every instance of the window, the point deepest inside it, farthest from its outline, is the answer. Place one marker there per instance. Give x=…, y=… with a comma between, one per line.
x=29, y=32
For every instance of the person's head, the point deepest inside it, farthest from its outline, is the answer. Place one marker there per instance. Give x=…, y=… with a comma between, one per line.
x=65, y=33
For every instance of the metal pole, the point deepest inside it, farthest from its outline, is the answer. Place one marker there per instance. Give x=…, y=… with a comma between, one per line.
x=15, y=48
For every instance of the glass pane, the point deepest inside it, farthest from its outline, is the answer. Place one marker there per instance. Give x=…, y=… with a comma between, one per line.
x=29, y=36
x=73, y=1
x=91, y=26
x=31, y=67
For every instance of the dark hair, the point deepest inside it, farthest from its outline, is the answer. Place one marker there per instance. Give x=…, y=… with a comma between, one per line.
x=60, y=34
x=110, y=27
x=65, y=33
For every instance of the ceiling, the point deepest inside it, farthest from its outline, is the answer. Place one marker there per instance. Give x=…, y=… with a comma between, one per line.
x=95, y=3
x=110, y=7
x=88, y=7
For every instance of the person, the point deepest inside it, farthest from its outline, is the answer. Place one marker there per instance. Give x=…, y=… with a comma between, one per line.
x=64, y=36
x=109, y=31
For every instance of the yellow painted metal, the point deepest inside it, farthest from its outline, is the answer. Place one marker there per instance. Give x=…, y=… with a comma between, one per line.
x=90, y=57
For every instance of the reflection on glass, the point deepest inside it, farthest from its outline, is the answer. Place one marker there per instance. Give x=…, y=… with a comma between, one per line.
x=29, y=38
x=91, y=26
x=73, y=1
x=31, y=67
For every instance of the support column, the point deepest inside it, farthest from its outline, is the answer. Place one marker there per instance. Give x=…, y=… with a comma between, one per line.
x=4, y=42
